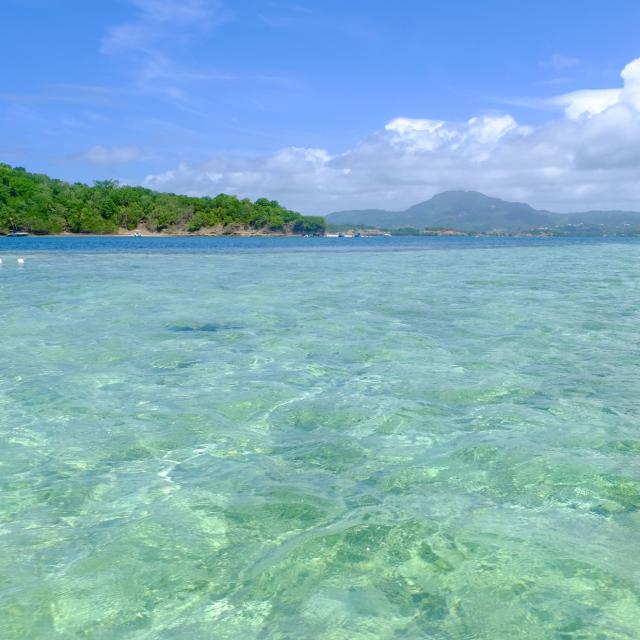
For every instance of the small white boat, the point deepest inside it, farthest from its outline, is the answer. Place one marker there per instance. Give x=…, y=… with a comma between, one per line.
x=17, y=234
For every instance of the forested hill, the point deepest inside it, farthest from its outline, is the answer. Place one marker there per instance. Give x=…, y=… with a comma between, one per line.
x=475, y=212
x=39, y=204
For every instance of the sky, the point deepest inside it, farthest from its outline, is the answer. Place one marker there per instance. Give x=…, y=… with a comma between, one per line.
x=329, y=105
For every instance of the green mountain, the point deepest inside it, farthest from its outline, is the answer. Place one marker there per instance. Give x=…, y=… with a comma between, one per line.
x=39, y=204
x=474, y=211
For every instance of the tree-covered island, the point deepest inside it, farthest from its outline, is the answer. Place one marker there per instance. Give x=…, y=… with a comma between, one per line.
x=39, y=204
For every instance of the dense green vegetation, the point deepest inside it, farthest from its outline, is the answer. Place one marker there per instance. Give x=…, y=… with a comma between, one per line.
x=39, y=204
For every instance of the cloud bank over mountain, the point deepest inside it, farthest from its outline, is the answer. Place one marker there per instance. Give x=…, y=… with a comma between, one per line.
x=586, y=157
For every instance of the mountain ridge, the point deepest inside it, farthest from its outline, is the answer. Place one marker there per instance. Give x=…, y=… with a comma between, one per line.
x=475, y=211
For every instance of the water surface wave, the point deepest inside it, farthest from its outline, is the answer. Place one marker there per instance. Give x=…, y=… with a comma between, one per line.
x=319, y=444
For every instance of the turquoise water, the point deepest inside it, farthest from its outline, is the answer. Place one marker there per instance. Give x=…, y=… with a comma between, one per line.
x=318, y=443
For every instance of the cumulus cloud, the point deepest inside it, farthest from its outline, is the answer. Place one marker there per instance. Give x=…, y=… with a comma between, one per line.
x=101, y=155
x=587, y=102
x=587, y=158
x=590, y=102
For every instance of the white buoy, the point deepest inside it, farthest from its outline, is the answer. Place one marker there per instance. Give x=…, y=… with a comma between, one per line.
x=20, y=260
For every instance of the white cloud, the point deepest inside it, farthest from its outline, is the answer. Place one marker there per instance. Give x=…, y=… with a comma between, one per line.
x=588, y=158
x=587, y=102
x=102, y=155
x=560, y=62
x=423, y=134
x=150, y=40
x=631, y=91
x=590, y=102
x=157, y=20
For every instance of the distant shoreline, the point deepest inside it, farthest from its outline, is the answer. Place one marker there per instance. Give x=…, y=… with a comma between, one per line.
x=345, y=233
x=160, y=234
x=487, y=235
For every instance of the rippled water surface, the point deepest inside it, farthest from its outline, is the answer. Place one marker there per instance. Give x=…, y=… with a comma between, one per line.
x=252, y=444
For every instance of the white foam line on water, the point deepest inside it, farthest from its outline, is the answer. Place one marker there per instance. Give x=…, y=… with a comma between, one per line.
x=264, y=418
x=165, y=474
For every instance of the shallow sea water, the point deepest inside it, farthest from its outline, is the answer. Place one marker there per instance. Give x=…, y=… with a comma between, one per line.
x=220, y=443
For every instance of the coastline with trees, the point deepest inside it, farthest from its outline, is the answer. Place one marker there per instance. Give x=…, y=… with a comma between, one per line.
x=37, y=204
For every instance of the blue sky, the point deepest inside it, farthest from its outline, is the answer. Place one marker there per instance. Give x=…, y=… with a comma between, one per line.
x=328, y=105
